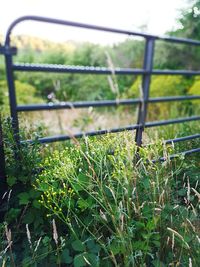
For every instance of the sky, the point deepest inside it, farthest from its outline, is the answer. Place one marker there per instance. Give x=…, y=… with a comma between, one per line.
x=159, y=16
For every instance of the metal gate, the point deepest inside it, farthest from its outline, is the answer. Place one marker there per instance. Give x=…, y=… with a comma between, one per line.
x=147, y=71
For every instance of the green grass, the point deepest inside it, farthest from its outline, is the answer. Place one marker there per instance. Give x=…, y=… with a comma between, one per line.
x=92, y=203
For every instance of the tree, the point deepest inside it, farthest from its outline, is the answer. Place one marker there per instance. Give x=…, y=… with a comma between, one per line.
x=179, y=55
x=189, y=22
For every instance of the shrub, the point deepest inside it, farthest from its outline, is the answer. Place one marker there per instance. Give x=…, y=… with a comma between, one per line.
x=117, y=214
x=26, y=94
x=26, y=237
x=162, y=86
x=195, y=90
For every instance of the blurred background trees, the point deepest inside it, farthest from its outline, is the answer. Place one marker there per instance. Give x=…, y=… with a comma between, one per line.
x=127, y=54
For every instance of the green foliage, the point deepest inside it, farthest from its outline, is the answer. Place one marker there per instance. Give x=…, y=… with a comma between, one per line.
x=189, y=21
x=162, y=86
x=94, y=203
x=127, y=54
x=195, y=90
x=90, y=205
x=2, y=69
x=88, y=54
x=96, y=193
x=25, y=93
x=55, y=57
x=169, y=86
x=70, y=87
x=180, y=56
x=22, y=209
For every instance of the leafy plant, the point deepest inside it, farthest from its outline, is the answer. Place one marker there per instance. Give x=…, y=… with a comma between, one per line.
x=96, y=193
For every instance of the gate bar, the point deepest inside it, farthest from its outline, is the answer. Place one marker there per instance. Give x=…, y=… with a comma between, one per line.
x=180, y=139
x=102, y=103
x=12, y=97
x=173, y=156
x=98, y=28
x=114, y=130
x=147, y=66
x=2, y=157
x=32, y=67
x=56, y=138
x=172, y=121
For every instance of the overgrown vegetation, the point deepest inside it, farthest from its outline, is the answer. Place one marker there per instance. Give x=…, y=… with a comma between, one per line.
x=101, y=201
x=90, y=204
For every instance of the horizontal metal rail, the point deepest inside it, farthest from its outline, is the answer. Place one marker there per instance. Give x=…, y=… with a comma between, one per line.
x=177, y=155
x=56, y=138
x=57, y=68
x=175, y=72
x=115, y=130
x=97, y=28
x=81, y=104
x=173, y=98
x=102, y=103
x=172, y=121
x=74, y=69
x=181, y=139
x=176, y=140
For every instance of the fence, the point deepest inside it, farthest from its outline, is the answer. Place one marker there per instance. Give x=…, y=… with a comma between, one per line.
x=147, y=71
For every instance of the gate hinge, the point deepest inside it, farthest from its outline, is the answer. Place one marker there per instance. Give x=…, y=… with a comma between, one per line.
x=8, y=50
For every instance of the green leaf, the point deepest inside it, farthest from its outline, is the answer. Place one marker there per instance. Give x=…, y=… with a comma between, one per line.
x=93, y=259
x=150, y=225
x=78, y=245
x=46, y=240
x=27, y=261
x=93, y=247
x=139, y=225
x=83, y=179
x=116, y=247
x=29, y=217
x=11, y=180
x=79, y=260
x=65, y=257
x=76, y=187
x=156, y=243
x=34, y=194
x=182, y=192
x=138, y=245
x=23, y=198
x=36, y=204
x=146, y=183
x=13, y=214
x=82, y=204
x=106, y=263
x=158, y=263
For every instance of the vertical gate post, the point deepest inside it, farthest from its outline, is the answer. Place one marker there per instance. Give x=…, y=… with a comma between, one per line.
x=3, y=182
x=12, y=93
x=8, y=52
x=2, y=156
x=147, y=66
